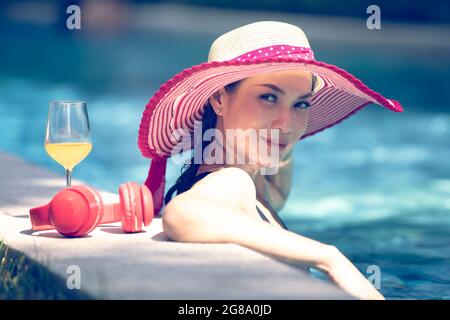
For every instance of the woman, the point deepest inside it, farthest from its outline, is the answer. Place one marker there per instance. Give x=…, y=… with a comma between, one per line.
x=261, y=77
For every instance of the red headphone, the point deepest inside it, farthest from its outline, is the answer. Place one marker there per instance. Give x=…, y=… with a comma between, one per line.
x=76, y=211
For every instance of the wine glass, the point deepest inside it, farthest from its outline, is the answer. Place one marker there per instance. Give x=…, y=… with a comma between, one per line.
x=68, y=134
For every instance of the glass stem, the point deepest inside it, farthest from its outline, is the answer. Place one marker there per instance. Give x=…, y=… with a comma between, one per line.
x=69, y=177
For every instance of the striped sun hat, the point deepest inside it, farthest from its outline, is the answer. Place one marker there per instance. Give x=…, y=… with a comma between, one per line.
x=259, y=47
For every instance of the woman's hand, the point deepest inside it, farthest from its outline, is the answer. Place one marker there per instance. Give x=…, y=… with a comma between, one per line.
x=341, y=271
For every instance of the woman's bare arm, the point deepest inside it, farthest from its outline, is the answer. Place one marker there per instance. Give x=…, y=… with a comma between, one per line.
x=217, y=211
x=204, y=220
x=192, y=218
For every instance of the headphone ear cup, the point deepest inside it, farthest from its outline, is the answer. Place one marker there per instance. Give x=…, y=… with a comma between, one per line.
x=131, y=204
x=147, y=204
x=76, y=211
x=127, y=212
x=135, y=190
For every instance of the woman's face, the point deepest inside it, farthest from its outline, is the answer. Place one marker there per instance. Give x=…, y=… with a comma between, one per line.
x=276, y=101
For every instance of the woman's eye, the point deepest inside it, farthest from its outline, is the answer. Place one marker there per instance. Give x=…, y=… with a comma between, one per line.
x=303, y=105
x=265, y=96
x=273, y=98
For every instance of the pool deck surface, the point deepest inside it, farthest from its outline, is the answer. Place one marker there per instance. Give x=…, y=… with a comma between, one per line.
x=147, y=265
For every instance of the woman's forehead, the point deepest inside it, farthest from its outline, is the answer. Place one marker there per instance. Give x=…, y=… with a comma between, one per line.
x=291, y=79
x=280, y=76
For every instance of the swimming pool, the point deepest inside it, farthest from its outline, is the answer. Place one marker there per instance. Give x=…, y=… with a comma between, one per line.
x=377, y=186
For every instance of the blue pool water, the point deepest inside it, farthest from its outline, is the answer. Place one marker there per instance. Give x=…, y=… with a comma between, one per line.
x=377, y=186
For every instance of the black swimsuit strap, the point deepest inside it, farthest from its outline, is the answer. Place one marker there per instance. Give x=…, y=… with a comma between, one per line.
x=262, y=215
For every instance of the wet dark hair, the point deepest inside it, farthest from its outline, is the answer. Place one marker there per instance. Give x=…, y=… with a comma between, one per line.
x=186, y=179
x=209, y=119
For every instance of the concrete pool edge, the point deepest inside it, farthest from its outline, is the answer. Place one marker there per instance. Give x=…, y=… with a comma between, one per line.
x=114, y=265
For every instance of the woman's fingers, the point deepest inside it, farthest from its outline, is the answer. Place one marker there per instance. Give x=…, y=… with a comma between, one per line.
x=350, y=279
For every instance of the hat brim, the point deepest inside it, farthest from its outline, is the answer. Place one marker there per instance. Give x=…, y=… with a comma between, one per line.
x=181, y=100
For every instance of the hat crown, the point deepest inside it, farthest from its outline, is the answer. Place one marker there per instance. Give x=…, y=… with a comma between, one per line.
x=254, y=36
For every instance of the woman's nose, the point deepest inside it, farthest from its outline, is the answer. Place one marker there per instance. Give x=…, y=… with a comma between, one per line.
x=284, y=121
x=289, y=121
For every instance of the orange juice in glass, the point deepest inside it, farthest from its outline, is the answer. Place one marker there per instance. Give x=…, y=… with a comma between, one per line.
x=68, y=134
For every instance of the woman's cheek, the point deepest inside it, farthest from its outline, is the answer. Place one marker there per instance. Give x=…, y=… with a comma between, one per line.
x=302, y=121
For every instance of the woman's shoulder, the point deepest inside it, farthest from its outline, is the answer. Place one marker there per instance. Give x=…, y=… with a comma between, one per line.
x=229, y=177
x=228, y=184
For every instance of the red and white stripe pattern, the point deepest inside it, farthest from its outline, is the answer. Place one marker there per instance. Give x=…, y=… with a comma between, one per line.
x=183, y=104
x=181, y=100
